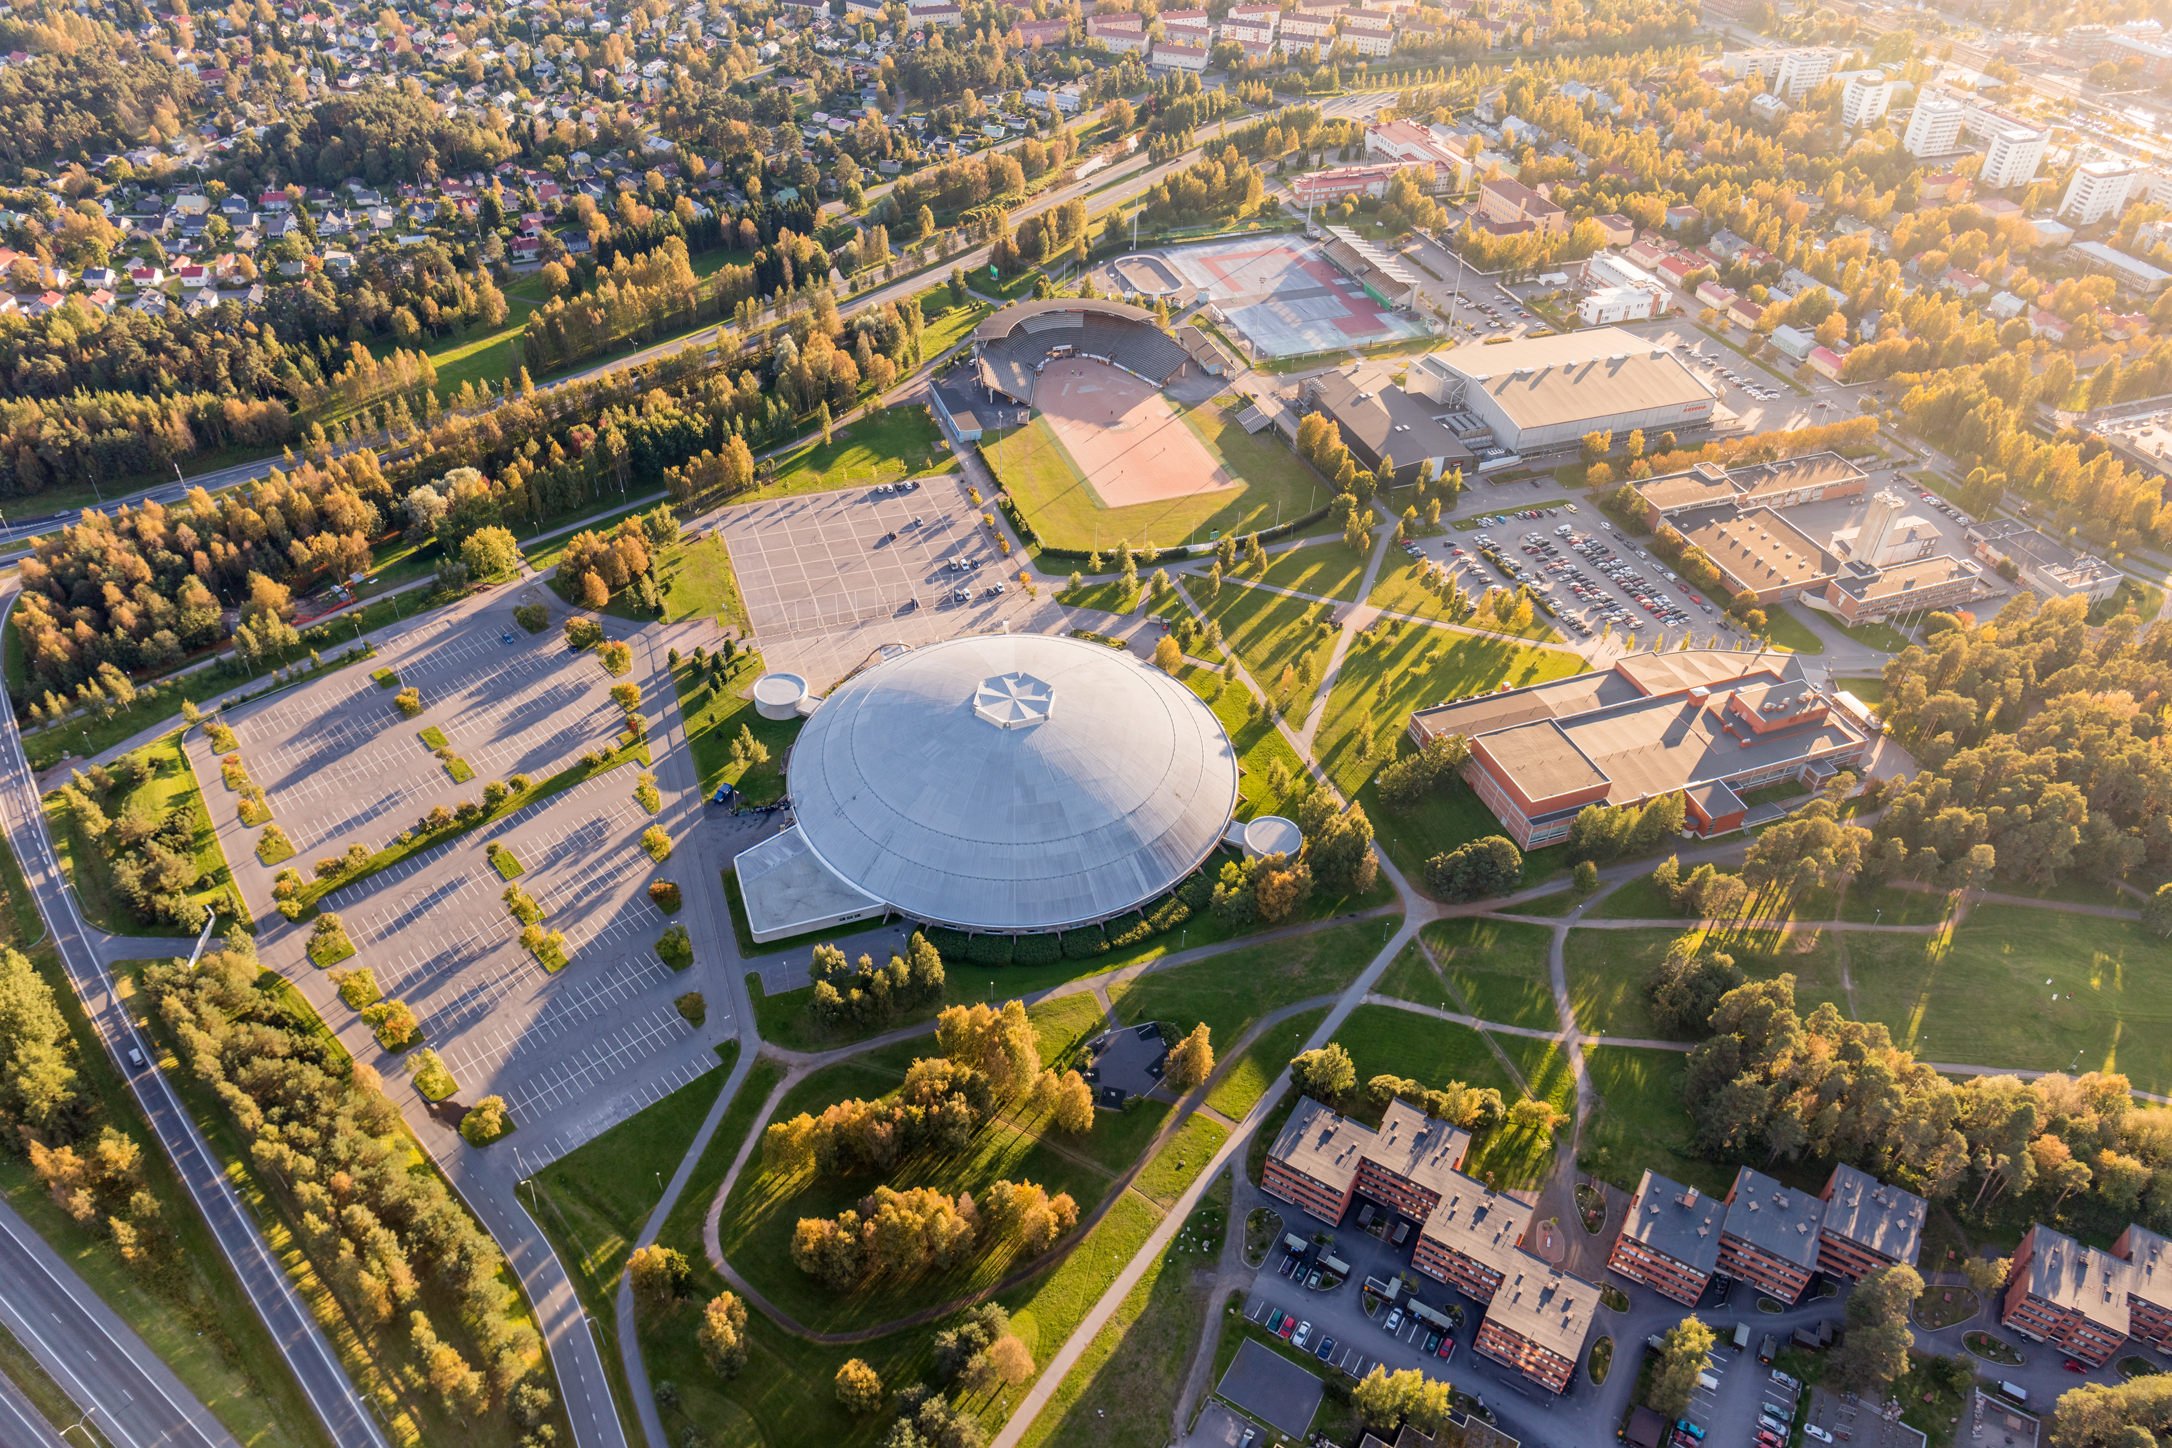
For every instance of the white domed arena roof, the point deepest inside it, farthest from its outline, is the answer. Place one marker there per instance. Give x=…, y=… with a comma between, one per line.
x=1013, y=782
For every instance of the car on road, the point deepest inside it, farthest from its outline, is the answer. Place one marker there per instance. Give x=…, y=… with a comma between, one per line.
x=1304, y=1335
x=1395, y=1320
x=135, y=1058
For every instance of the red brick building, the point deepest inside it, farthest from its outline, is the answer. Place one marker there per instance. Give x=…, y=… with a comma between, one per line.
x=2068, y=1295
x=1770, y=1236
x=2149, y=1285
x=1469, y=1238
x=1670, y=1240
x=1538, y=1322
x=1322, y=1159
x=1868, y=1225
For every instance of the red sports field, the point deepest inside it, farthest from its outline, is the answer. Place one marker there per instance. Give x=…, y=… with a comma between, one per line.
x=1122, y=435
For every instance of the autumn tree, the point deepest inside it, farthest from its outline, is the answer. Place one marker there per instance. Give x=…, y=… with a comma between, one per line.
x=1325, y=1074
x=859, y=1388
x=1191, y=1060
x=660, y=1275
x=724, y=1334
x=1683, y=1354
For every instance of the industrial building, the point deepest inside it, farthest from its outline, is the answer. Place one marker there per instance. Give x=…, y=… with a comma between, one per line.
x=994, y=783
x=1381, y=420
x=1544, y=392
x=2048, y=569
x=1709, y=724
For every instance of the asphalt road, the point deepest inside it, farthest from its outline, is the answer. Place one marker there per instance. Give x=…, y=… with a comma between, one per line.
x=308, y=1354
x=96, y=1359
x=20, y=1425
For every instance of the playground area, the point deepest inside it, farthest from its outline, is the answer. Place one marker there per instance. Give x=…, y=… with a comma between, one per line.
x=1284, y=297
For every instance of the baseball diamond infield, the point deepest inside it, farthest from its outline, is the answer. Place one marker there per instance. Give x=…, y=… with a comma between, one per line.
x=1122, y=437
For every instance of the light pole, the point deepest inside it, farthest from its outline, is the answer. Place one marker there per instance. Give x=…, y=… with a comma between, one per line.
x=83, y=1423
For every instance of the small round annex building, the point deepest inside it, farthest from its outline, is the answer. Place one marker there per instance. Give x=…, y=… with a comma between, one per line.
x=995, y=783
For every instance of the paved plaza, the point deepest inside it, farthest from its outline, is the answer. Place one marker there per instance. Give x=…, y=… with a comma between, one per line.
x=571, y=1053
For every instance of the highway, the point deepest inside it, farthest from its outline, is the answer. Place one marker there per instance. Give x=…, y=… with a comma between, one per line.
x=308, y=1354
x=98, y=1361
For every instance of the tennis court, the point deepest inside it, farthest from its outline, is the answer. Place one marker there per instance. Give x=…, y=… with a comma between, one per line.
x=1287, y=298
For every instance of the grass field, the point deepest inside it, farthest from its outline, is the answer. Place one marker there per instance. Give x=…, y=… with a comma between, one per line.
x=1988, y=997
x=715, y=714
x=1448, y=816
x=1607, y=971
x=1496, y=969
x=1232, y=990
x=1641, y=1122
x=698, y=582
x=1270, y=632
x=593, y=1201
x=898, y=442
x=1875, y=635
x=1791, y=633
x=1417, y=665
x=1259, y=744
x=1278, y=487
x=1327, y=569
x=1246, y=1080
x=1870, y=690
x=1524, y=1157
x=196, y=1317
x=1397, y=590
x=170, y=788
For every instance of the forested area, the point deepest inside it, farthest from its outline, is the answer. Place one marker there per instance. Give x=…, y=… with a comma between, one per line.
x=866, y=996
x=2042, y=746
x=1213, y=188
x=79, y=95
x=411, y=1271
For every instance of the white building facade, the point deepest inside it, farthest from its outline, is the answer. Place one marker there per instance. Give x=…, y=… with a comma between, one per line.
x=2012, y=158
x=2099, y=189
x=1935, y=127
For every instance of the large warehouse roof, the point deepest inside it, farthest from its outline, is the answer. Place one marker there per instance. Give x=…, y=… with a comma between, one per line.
x=1012, y=782
x=1546, y=381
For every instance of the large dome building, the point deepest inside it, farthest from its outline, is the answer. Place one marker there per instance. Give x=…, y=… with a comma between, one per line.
x=997, y=783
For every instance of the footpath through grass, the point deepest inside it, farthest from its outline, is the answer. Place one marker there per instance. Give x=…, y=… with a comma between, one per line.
x=1495, y=970
x=1230, y=991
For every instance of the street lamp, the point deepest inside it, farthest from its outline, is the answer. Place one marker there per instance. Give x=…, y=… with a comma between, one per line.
x=83, y=1423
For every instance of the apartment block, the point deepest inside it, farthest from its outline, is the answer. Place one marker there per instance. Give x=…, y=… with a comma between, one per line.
x=1868, y=1225
x=2149, y=1285
x=1670, y=1241
x=1934, y=127
x=1538, y=1322
x=1864, y=95
x=1469, y=1239
x=2098, y=190
x=1770, y=1236
x=2070, y=1296
x=1323, y=1159
x=2012, y=158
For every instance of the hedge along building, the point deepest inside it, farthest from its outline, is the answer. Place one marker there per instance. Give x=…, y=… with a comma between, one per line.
x=997, y=784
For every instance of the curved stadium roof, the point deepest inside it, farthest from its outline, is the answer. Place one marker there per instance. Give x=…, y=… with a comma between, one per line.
x=1013, y=782
x=1008, y=319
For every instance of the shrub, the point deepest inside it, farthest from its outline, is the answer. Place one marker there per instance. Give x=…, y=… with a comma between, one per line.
x=675, y=949
x=1168, y=915
x=616, y=658
x=1085, y=943
x=989, y=950
x=657, y=843
x=495, y=793
x=533, y=617
x=393, y=1023
x=645, y=792
x=583, y=633
x=1197, y=893
x=1041, y=949
x=547, y=946
x=273, y=846
x=410, y=702
x=949, y=944
x=357, y=987
x=664, y=895
x=692, y=1007
x=485, y=1121
x=328, y=943
x=386, y=679
x=521, y=905
x=431, y=1078
x=253, y=808
x=222, y=738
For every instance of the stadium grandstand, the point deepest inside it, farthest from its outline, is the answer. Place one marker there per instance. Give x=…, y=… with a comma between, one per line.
x=1012, y=347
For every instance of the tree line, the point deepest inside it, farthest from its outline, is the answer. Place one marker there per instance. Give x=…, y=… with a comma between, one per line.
x=411, y=1271
x=865, y=996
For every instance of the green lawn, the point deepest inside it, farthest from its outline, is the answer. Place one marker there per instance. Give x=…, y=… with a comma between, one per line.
x=897, y=442
x=1109, y=596
x=1419, y=666
x=1641, y=1122
x=1383, y=1040
x=1988, y=999
x=1553, y=906
x=758, y=1219
x=1448, y=816
x=1791, y=633
x=1870, y=690
x=1246, y=1080
x=1064, y=1023
x=947, y=325
x=698, y=582
x=1607, y=971
x=2143, y=595
x=1178, y=1164
x=170, y=788
x=1259, y=744
x=1278, y=487
x=593, y=1201
x=1326, y=569
x=715, y=714
x=1271, y=632
x=1497, y=970
x=1875, y=635
x=1398, y=590
x=1524, y=1157
x=1637, y=899
x=1232, y=990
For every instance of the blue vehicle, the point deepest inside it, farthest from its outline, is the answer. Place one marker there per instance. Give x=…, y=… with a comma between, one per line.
x=1327, y=1348
x=723, y=795
x=1691, y=1429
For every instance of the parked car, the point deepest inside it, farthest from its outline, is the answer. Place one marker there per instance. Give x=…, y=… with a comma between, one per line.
x=1395, y=1320
x=1274, y=1320
x=1818, y=1433
x=1289, y=1325
x=1304, y=1335
x=1327, y=1349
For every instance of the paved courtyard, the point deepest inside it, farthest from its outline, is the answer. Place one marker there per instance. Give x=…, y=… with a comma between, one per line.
x=571, y=1052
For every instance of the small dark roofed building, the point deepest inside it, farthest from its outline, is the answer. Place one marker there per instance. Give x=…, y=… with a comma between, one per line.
x=1770, y=1237
x=1868, y=1225
x=1646, y=1428
x=1379, y=419
x=1670, y=1240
